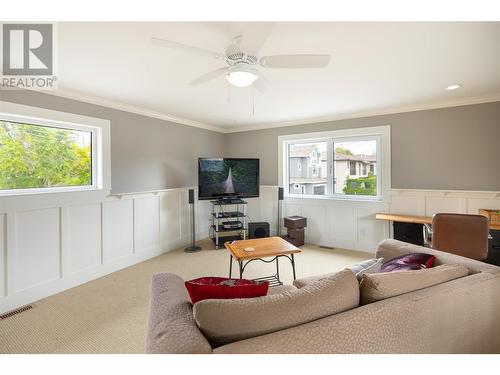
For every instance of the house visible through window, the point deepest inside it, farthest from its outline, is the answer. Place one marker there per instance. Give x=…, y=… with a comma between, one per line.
x=307, y=167
x=333, y=166
x=34, y=156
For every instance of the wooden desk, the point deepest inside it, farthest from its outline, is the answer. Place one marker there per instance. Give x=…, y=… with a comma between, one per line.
x=415, y=219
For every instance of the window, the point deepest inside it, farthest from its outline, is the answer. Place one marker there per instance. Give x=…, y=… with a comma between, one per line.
x=38, y=157
x=352, y=169
x=349, y=163
x=44, y=151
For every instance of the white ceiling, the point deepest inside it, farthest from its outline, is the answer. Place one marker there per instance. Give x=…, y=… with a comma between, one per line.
x=374, y=66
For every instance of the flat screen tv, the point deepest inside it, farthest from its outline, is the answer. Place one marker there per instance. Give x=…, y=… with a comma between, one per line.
x=228, y=178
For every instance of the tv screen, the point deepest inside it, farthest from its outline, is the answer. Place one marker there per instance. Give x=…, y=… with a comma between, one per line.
x=219, y=178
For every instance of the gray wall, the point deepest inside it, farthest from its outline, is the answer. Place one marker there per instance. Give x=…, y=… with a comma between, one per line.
x=452, y=148
x=146, y=153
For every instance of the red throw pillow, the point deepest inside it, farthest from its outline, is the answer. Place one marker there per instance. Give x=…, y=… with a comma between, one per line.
x=224, y=288
x=413, y=261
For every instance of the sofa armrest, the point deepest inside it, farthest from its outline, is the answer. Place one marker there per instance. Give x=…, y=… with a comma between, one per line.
x=171, y=326
x=389, y=249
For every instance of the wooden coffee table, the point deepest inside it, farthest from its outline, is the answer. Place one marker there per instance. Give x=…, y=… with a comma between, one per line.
x=269, y=247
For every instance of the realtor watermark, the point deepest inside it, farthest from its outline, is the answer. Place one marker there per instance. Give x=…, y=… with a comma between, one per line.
x=28, y=56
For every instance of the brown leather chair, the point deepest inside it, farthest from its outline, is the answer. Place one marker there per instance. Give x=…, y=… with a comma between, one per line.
x=465, y=235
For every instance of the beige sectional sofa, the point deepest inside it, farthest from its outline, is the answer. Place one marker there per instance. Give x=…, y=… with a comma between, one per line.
x=457, y=316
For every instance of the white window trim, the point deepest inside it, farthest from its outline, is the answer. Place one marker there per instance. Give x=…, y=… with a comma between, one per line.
x=382, y=167
x=101, y=156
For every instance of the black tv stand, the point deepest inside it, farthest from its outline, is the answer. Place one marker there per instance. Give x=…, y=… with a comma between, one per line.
x=228, y=225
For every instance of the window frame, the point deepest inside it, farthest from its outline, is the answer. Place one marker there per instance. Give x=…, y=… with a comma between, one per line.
x=382, y=166
x=100, y=146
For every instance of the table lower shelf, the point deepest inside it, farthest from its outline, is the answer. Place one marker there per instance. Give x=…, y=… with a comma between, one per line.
x=273, y=280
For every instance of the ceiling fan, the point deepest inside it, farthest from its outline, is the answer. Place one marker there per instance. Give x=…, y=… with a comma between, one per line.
x=242, y=57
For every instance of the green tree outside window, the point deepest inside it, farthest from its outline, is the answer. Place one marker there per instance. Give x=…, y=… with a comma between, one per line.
x=33, y=156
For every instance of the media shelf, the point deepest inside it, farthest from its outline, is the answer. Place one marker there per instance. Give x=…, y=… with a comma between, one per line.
x=220, y=227
x=220, y=215
x=228, y=215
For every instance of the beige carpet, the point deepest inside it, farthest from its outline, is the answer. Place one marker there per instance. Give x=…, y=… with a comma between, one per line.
x=108, y=315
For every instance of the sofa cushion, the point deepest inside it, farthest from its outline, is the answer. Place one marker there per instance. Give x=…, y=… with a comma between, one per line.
x=223, y=287
x=367, y=266
x=407, y=262
x=224, y=321
x=379, y=286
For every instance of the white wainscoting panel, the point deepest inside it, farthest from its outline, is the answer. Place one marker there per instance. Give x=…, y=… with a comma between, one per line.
x=342, y=226
x=118, y=228
x=316, y=223
x=433, y=205
x=474, y=204
x=203, y=214
x=36, y=253
x=408, y=205
x=268, y=205
x=147, y=223
x=83, y=240
x=45, y=251
x=370, y=231
x=170, y=217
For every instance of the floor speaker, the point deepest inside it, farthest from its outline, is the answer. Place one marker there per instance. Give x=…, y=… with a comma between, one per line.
x=281, y=193
x=258, y=230
x=193, y=248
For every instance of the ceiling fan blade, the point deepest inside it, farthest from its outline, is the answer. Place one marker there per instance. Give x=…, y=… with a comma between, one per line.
x=208, y=76
x=295, y=61
x=185, y=48
x=254, y=35
x=261, y=83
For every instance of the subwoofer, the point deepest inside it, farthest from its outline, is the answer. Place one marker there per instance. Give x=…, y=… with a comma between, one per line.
x=258, y=230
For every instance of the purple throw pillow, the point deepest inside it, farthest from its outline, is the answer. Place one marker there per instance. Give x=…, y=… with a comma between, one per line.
x=414, y=261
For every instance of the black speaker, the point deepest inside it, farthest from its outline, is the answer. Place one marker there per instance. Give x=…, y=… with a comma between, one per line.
x=193, y=248
x=258, y=230
x=280, y=193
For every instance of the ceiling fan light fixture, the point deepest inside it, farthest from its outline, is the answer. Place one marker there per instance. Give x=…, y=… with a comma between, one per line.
x=241, y=77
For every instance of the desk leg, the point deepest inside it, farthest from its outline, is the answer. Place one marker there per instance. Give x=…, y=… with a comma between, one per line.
x=240, y=263
x=278, y=269
x=293, y=267
x=230, y=265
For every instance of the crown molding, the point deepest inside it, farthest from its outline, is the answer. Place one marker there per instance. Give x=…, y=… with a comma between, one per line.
x=75, y=95
x=379, y=112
